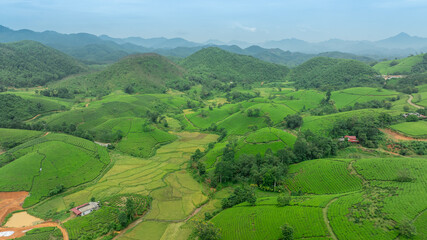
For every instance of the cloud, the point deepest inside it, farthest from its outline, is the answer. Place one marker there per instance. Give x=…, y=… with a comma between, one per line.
x=243, y=27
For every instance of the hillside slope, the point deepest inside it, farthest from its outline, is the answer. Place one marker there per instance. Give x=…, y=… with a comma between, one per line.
x=324, y=72
x=146, y=73
x=215, y=63
x=28, y=63
x=412, y=64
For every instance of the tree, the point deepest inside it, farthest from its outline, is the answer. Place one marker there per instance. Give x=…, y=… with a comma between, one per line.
x=207, y=231
x=123, y=219
x=287, y=232
x=407, y=229
x=283, y=199
x=293, y=121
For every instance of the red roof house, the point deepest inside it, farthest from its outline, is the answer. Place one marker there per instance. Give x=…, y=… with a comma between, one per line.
x=352, y=139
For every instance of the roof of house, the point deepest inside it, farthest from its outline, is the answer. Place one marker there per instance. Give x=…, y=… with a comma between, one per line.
x=85, y=207
x=76, y=209
x=350, y=137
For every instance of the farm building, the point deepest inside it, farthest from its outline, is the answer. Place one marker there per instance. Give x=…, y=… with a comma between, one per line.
x=352, y=139
x=86, y=208
x=416, y=114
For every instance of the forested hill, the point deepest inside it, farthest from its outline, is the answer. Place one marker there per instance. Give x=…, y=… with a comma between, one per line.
x=143, y=73
x=215, y=63
x=322, y=72
x=29, y=63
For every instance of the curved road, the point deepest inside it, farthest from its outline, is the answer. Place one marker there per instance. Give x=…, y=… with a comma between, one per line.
x=413, y=104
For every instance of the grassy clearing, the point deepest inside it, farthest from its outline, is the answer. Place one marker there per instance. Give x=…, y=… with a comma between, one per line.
x=45, y=163
x=322, y=176
x=416, y=129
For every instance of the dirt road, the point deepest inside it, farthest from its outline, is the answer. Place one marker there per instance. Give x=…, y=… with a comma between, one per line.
x=397, y=136
x=413, y=104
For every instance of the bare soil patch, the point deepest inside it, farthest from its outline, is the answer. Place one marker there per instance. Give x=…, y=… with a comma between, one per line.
x=20, y=232
x=9, y=202
x=397, y=136
x=22, y=219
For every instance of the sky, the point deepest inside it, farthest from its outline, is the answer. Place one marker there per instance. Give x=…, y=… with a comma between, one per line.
x=251, y=21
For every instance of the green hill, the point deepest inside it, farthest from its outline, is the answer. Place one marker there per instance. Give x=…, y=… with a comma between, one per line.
x=214, y=63
x=324, y=72
x=28, y=63
x=48, y=165
x=144, y=73
x=412, y=64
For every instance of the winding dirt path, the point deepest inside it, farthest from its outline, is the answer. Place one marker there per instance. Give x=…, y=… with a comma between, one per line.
x=413, y=104
x=325, y=218
x=398, y=136
x=38, y=115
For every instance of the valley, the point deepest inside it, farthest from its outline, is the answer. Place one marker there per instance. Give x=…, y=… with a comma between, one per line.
x=216, y=144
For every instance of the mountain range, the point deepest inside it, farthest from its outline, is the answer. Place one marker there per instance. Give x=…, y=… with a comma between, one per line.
x=90, y=48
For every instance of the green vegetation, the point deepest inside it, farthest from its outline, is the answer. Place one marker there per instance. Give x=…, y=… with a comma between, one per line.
x=114, y=214
x=48, y=165
x=28, y=63
x=401, y=66
x=52, y=233
x=416, y=129
x=214, y=63
x=146, y=73
x=332, y=73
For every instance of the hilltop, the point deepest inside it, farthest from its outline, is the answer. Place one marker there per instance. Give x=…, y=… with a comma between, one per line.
x=324, y=72
x=28, y=63
x=147, y=73
x=411, y=64
x=215, y=63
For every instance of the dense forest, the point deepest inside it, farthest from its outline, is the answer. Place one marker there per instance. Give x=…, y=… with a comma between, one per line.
x=328, y=73
x=28, y=63
x=216, y=64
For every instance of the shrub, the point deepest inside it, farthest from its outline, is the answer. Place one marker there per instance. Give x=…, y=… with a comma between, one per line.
x=287, y=232
x=283, y=199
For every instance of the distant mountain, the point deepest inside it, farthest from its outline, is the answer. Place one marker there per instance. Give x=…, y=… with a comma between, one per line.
x=85, y=47
x=322, y=72
x=153, y=42
x=400, y=45
x=215, y=63
x=29, y=63
x=145, y=73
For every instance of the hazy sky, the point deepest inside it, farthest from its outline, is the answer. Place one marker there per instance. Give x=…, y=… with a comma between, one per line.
x=199, y=20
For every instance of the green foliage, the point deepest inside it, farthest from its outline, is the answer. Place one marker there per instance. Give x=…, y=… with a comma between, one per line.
x=144, y=73
x=400, y=66
x=114, y=214
x=283, y=199
x=206, y=231
x=214, y=63
x=51, y=233
x=287, y=232
x=293, y=121
x=28, y=63
x=50, y=164
x=331, y=73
